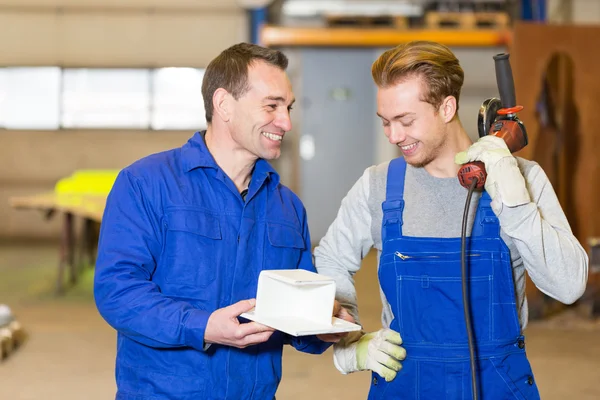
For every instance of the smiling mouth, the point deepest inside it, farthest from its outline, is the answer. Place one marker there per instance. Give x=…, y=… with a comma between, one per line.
x=272, y=136
x=409, y=146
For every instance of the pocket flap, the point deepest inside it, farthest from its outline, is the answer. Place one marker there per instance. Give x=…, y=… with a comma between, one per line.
x=196, y=222
x=285, y=236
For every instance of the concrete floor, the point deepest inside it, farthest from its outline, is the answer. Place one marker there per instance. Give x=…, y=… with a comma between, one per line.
x=70, y=352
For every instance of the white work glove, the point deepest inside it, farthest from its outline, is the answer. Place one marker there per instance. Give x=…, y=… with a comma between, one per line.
x=504, y=183
x=378, y=351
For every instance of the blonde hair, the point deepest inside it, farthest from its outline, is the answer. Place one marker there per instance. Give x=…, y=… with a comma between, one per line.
x=434, y=63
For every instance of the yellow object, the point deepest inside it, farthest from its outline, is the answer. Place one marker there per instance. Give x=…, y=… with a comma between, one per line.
x=87, y=182
x=356, y=37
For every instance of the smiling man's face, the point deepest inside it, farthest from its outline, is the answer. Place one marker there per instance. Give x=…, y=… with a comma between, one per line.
x=261, y=116
x=412, y=124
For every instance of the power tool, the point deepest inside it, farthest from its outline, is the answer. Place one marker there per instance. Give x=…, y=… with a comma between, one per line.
x=499, y=118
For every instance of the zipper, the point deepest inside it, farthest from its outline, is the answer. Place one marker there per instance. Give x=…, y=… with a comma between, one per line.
x=407, y=257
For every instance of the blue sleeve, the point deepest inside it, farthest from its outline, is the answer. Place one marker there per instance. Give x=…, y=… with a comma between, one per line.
x=129, y=247
x=308, y=344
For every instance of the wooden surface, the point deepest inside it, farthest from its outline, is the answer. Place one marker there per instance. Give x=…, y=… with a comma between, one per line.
x=561, y=57
x=356, y=37
x=578, y=181
x=91, y=207
x=467, y=20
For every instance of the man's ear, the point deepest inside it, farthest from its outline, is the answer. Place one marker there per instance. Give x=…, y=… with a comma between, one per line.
x=222, y=104
x=448, y=108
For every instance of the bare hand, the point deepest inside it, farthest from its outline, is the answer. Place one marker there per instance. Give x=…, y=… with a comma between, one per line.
x=342, y=313
x=223, y=327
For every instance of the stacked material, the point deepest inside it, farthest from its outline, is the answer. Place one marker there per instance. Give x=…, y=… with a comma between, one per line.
x=12, y=334
x=347, y=12
x=399, y=14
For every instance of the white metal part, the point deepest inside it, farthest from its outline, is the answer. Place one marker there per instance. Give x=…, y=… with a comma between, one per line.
x=316, y=8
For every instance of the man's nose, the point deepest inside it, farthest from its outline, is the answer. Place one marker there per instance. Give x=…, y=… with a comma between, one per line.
x=396, y=135
x=283, y=121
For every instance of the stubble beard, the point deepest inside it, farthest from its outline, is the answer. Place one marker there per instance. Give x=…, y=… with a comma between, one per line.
x=430, y=156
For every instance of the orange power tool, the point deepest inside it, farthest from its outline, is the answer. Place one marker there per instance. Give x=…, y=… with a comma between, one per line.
x=498, y=118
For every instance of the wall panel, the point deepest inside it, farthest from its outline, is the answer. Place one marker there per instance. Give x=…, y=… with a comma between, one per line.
x=123, y=4
x=128, y=39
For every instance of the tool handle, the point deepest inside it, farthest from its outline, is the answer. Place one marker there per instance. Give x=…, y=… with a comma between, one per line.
x=467, y=172
x=504, y=79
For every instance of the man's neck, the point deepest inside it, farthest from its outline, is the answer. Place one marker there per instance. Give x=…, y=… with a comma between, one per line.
x=458, y=140
x=233, y=160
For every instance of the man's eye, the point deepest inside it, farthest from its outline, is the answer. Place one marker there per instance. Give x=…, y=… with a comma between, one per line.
x=385, y=123
x=290, y=108
x=272, y=106
x=407, y=124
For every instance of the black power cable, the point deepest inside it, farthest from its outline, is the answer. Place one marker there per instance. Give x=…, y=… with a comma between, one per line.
x=465, y=296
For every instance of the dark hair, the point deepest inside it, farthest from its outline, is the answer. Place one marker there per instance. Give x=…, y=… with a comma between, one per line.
x=433, y=62
x=229, y=70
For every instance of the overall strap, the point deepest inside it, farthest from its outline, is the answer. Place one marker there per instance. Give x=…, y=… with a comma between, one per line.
x=393, y=205
x=395, y=179
x=486, y=222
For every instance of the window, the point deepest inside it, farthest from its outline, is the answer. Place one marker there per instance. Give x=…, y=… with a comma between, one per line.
x=177, y=99
x=106, y=98
x=30, y=97
x=52, y=98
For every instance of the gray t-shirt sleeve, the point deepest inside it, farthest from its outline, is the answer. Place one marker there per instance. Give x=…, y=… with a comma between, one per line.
x=553, y=257
x=340, y=252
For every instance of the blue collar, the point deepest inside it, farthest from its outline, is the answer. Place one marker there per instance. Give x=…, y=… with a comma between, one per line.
x=195, y=154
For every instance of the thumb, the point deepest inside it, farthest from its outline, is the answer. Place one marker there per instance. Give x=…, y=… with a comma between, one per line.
x=392, y=336
x=461, y=158
x=240, y=307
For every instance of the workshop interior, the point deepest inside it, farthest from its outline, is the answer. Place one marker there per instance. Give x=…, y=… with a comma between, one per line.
x=87, y=87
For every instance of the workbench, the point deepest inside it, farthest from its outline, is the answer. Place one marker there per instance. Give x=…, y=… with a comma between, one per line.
x=87, y=207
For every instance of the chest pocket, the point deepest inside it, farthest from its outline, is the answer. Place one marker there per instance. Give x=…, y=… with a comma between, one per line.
x=192, y=248
x=283, y=248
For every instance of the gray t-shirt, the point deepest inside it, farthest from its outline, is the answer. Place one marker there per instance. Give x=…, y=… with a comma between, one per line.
x=537, y=234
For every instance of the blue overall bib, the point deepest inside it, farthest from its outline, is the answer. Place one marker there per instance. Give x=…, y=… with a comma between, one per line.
x=421, y=279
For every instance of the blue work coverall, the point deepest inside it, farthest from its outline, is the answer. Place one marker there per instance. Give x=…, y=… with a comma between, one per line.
x=177, y=242
x=421, y=279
